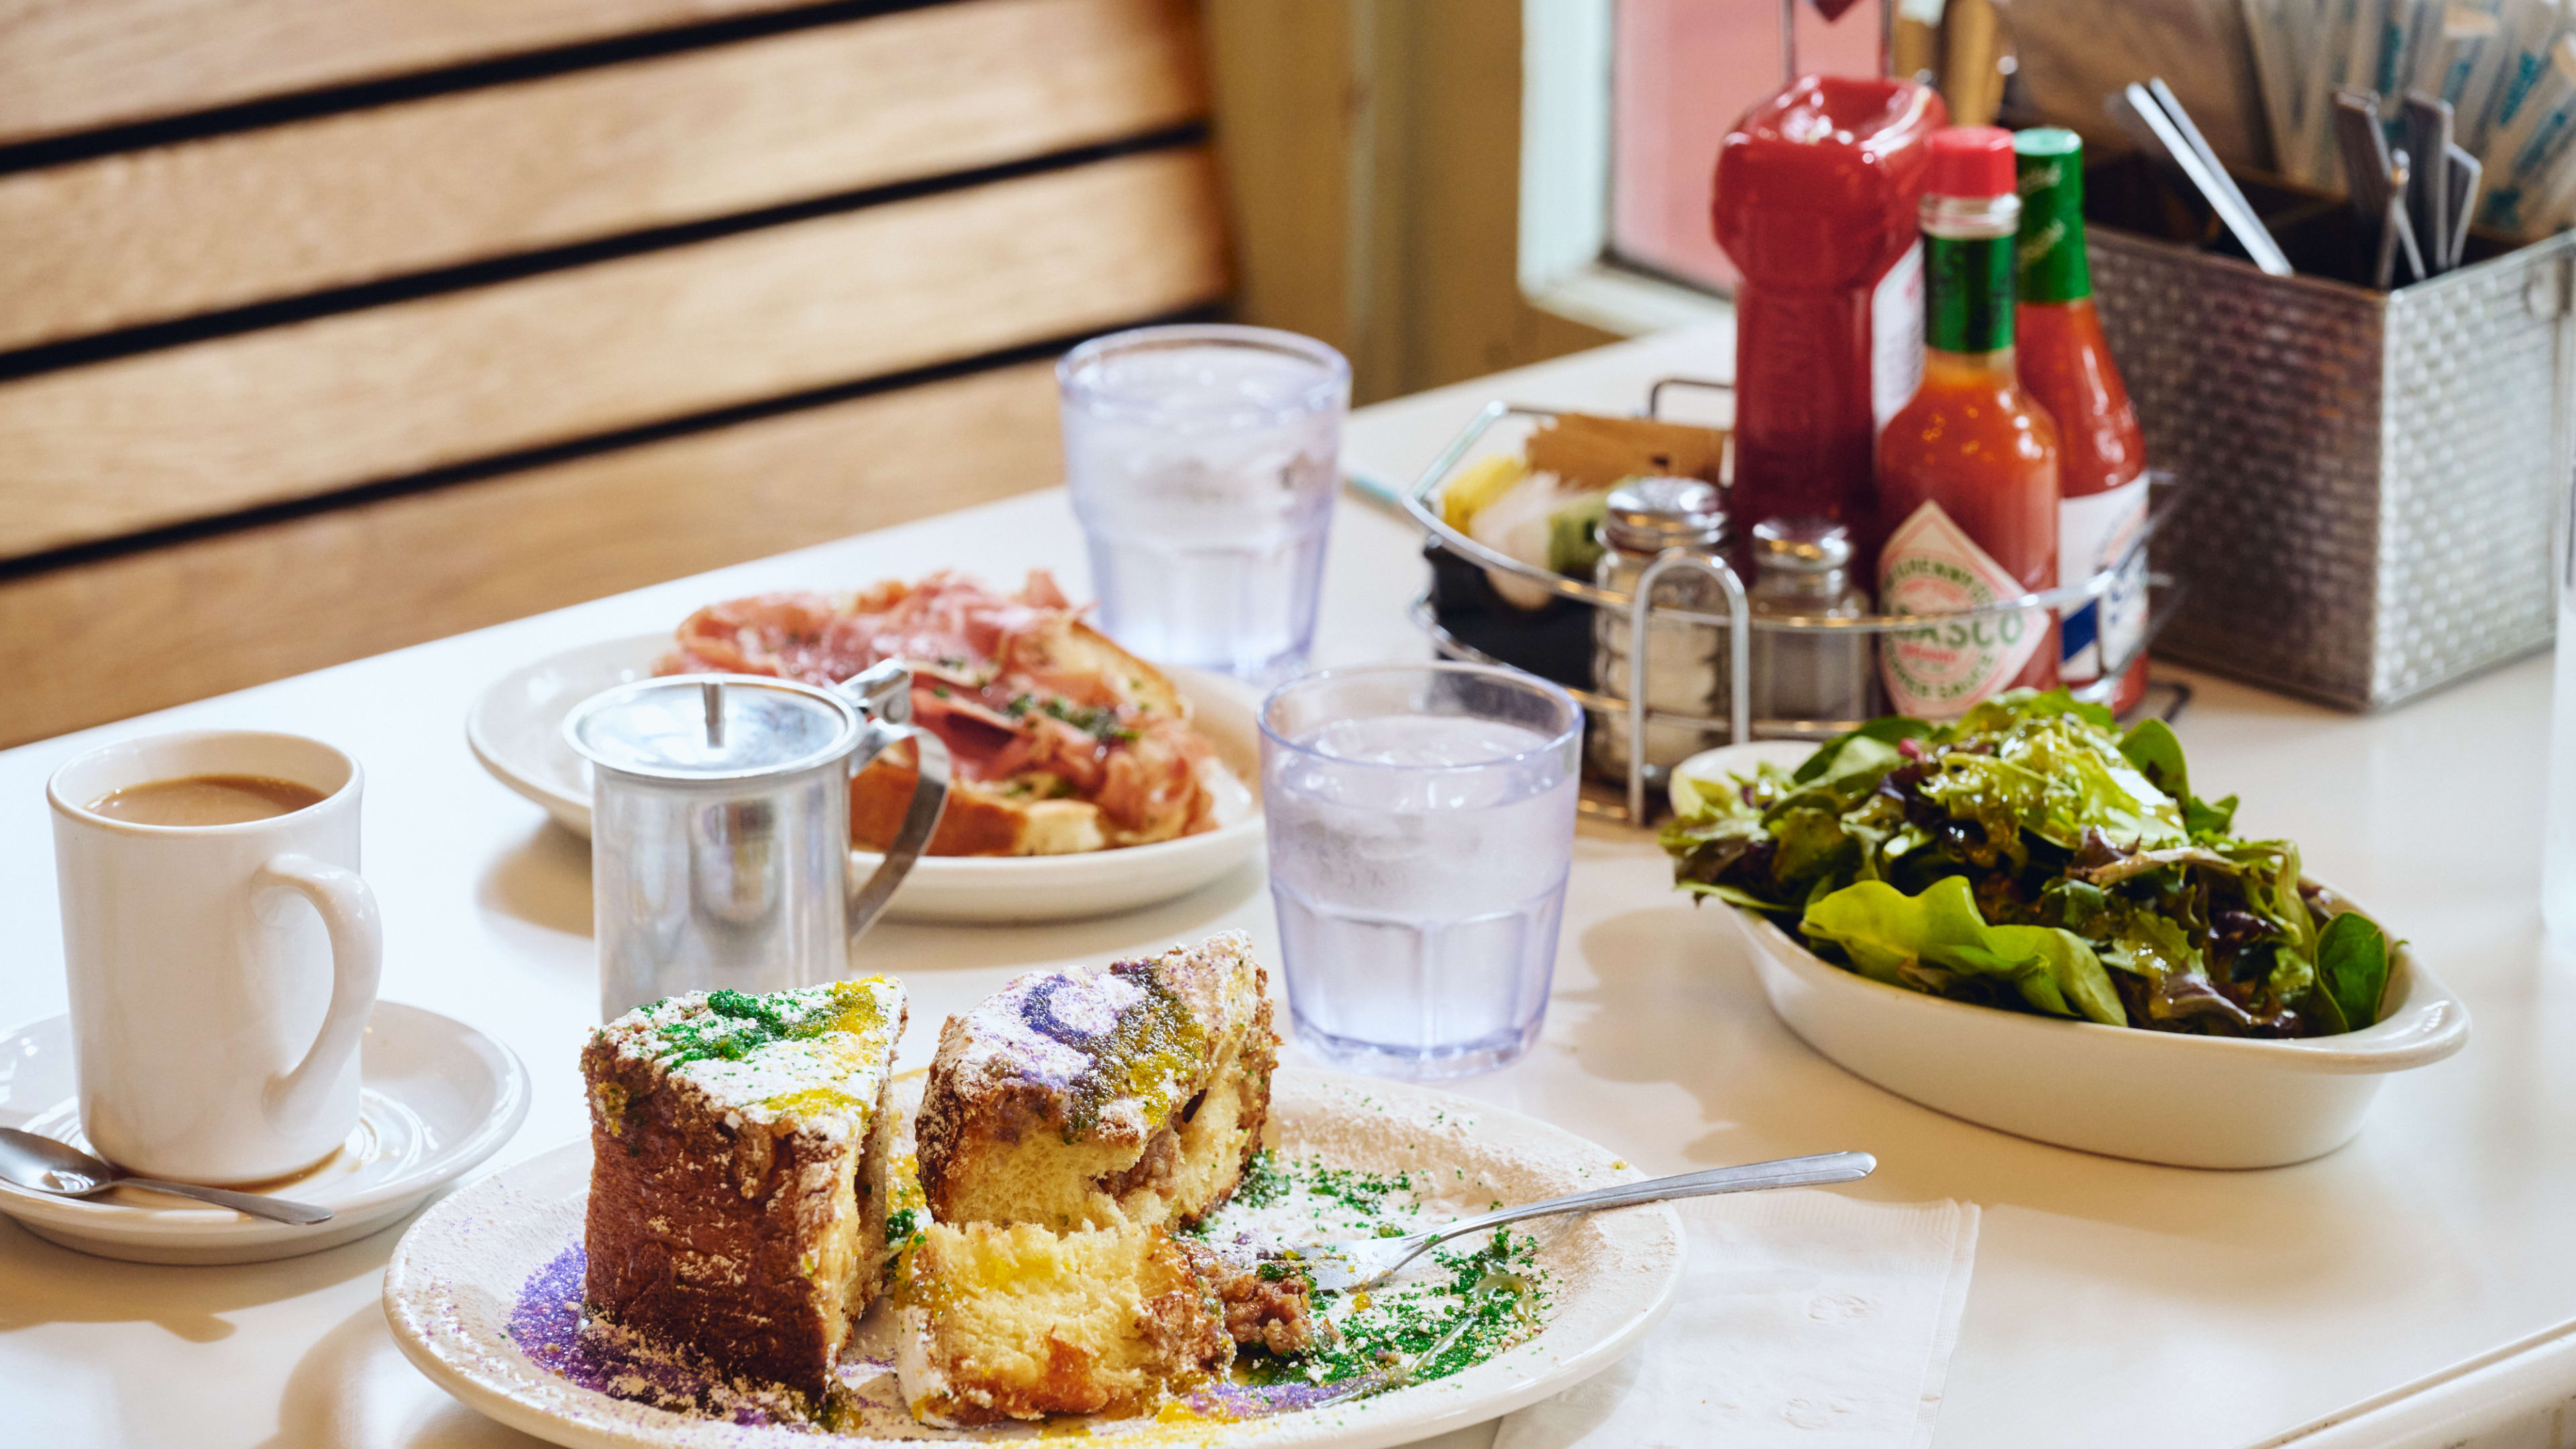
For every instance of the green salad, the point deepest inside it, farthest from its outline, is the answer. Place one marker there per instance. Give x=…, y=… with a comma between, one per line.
x=2030, y=856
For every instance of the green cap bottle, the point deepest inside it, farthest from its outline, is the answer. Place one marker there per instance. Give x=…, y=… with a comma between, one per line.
x=2049, y=161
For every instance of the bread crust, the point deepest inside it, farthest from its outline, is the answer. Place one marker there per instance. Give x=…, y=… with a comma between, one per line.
x=710, y=1228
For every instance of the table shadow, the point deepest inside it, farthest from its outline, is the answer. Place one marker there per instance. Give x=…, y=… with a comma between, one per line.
x=48, y=1283
x=1676, y=1000
x=355, y=1387
x=544, y=880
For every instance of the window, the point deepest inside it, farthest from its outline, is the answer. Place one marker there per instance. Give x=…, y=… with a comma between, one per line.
x=1625, y=102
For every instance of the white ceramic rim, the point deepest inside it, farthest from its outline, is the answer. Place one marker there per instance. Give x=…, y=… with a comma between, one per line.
x=352, y=778
x=2427, y=1022
x=213, y=1225
x=486, y=1386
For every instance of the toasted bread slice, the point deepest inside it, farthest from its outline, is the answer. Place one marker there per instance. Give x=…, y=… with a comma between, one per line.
x=980, y=820
x=1009, y=817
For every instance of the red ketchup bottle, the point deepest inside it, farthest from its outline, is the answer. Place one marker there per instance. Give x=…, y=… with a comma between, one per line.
x=1815, y=204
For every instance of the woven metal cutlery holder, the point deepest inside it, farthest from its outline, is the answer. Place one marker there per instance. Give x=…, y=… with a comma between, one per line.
x=2376, y=474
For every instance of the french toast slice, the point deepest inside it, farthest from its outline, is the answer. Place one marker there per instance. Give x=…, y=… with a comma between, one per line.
x=738, y=1190
x=1074, y=1099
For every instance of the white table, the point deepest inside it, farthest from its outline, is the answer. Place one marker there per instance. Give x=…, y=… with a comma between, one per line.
x=2114, y=1303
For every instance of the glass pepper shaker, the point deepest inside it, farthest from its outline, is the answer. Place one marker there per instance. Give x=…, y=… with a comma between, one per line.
x=1685, y=662
x=1820, y=677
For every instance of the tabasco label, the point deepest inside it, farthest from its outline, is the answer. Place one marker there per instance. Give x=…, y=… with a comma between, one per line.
x=1930, y=565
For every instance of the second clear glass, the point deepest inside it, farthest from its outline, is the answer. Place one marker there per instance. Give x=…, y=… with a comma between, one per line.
x=1421, y=822
x=1203, y=461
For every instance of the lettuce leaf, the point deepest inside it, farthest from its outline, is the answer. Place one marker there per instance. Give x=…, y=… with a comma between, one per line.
x=1994, y=716
x=1885, y=730
x=1890, y=937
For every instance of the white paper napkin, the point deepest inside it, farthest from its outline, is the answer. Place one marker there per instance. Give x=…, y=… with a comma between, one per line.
x=1805, y=1318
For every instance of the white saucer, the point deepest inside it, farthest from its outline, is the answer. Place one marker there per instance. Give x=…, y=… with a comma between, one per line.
x=438, y=1097
x=515, y=729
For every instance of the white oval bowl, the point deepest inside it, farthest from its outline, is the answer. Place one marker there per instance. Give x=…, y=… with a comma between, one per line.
x=2190, y=1101
x=515, y=729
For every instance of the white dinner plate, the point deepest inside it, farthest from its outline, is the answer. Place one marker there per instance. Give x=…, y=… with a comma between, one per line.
x=436, y=1098
x=516, y=729
x=459, y=1274
x=2191, y=1101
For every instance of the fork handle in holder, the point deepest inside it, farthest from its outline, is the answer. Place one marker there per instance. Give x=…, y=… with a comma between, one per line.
x=1823, y=1171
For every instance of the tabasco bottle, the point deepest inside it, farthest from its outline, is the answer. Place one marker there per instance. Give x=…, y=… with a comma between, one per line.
x=1967, y=471
x=2102, y=462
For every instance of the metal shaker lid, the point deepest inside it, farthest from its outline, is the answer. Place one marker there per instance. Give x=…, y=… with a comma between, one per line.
x=711, y=727
x=1801, y=545
x=1648, y=515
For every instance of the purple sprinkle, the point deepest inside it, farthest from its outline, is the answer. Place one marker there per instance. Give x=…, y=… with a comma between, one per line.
x=548, y=1327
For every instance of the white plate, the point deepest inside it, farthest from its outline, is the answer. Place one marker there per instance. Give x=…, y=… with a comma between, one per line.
x=2192, y=1101
x=437, y=1097
x=516, y=729
x=457, y=1275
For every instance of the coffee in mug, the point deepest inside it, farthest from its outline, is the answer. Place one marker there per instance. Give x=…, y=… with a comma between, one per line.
x=206, y=800
x=222, y=952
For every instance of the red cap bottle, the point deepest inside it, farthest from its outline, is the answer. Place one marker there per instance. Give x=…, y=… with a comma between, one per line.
x=1815, y=203
x=1972, y=161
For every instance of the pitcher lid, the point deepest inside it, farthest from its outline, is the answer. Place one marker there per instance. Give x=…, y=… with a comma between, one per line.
x=712, y=727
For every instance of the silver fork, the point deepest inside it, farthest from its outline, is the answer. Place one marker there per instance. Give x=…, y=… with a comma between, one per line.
x=1360, y=1262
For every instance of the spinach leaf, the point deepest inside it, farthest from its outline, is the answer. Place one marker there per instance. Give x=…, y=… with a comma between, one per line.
x=2206, y=821
x=2352, y=967
x=2150, y=745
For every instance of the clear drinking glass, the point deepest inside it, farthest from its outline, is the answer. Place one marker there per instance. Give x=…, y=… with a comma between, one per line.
x=1203, y=462
x=1421, y=821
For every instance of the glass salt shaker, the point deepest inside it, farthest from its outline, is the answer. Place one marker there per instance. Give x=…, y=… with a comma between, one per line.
x=1820, y=677
x=1685, y=663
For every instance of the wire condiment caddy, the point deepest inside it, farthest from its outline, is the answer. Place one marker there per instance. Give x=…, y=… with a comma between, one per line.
x=1738, y=622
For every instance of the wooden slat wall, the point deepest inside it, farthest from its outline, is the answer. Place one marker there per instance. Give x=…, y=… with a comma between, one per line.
x=75, y=65
x=291, y=209
x=283, y=367
x=94, y=452
x=360, y=579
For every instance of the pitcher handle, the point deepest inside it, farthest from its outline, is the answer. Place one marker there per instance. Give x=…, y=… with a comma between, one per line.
x=883, y=694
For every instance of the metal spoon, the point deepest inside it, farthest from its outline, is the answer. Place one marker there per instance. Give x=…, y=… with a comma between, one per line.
x=1363, y=1261
x=45, y=1165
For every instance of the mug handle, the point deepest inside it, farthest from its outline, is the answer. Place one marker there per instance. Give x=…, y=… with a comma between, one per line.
x=883, y=694
x=348, y=911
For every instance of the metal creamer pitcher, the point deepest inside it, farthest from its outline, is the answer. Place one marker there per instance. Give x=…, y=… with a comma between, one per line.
x=720, y=828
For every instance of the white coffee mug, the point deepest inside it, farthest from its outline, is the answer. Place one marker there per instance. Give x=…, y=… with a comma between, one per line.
x=221, y=975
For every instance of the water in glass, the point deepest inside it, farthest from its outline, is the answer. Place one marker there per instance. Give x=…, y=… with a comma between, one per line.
x=1203, y=464
x=1419, y=867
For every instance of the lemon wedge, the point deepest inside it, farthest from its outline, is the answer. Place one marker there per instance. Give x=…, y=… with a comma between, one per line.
x=1481, y=483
